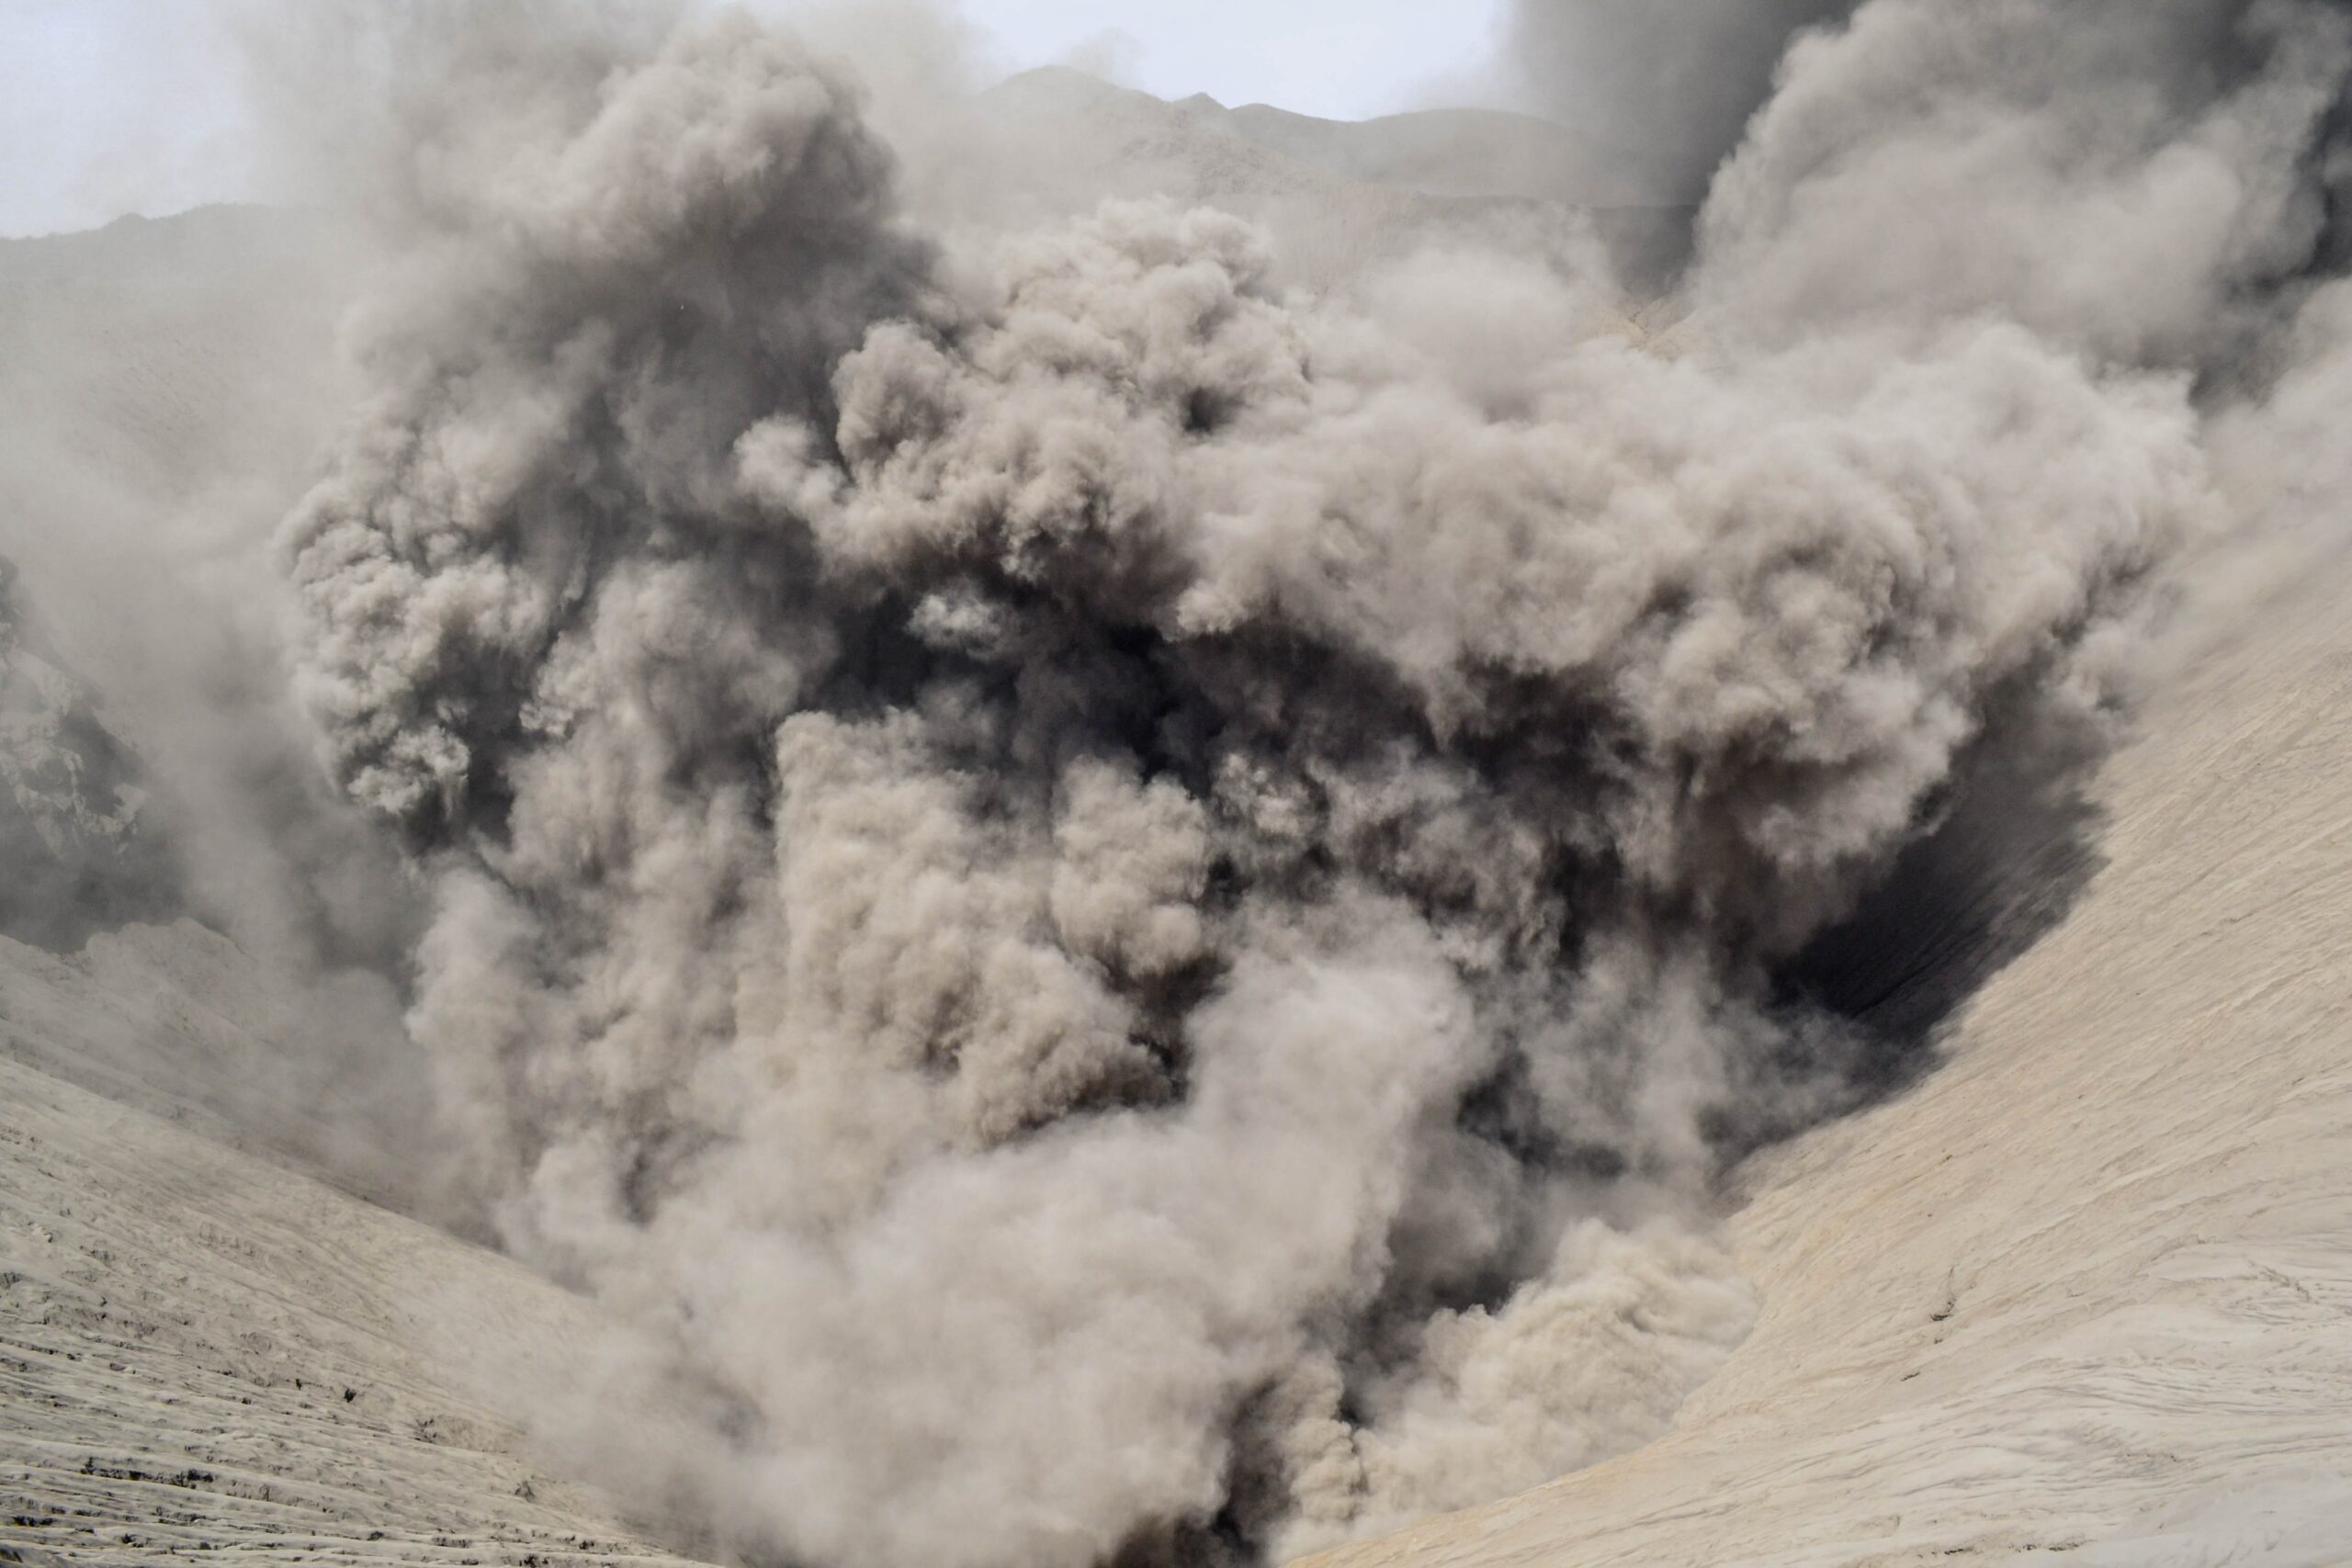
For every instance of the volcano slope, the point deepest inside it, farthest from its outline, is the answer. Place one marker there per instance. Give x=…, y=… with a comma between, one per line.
x=2087, y=1287
x=204, y=1355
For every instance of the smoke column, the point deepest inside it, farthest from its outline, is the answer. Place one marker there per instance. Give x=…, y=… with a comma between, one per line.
x=1674, y=81
x=1125, y=912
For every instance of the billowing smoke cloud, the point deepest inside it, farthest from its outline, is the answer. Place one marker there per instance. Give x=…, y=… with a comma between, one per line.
x=2134, y=181
x=1123, y=910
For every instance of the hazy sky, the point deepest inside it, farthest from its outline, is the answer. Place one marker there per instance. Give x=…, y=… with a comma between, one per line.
x=109, y=107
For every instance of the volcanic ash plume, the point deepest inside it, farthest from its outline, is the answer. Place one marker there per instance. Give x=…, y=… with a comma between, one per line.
x=1123, y=910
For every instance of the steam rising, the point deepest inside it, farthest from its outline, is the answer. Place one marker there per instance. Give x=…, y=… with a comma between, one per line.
x=1124, y=908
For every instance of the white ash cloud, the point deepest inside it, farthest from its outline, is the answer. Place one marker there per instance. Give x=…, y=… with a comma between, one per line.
x=1127, y=912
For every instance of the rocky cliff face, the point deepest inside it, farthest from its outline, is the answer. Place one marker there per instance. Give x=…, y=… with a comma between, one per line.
x=75, y=853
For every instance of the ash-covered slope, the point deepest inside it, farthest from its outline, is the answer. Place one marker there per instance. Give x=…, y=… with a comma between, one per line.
x=79, y=856
x=162, y=360
x=206, y=1356
x=2086, y=1288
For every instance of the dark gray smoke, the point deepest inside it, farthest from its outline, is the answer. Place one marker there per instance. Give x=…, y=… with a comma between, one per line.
x=1124, y=909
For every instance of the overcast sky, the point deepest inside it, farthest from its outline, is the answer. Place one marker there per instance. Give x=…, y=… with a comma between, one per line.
x=109, y=107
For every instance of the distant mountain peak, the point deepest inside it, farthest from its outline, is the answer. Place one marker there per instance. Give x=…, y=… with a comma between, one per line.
x=1453, y=153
